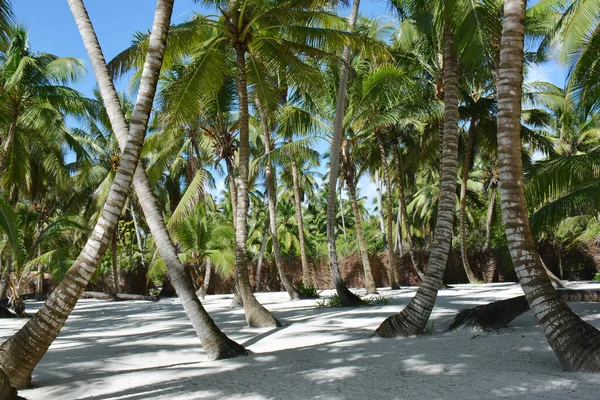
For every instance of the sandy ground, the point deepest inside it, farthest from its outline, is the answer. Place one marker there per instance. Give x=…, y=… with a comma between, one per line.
x=139, y=350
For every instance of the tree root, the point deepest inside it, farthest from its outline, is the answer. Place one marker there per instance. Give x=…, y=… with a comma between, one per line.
x=499, y=314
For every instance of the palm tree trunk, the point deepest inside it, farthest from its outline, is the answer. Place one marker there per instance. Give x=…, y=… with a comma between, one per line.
x=306, y=275
x=207, y=274
x=403, y=211
x=413, y=319
x=256, y=314
x=342, y=213
x=22, y=352
x=5, y=280
x=362, y=244
x=232, y=187
x=390, y=210
x=380, y=206
x=575, y=342
x=115, y=262
x=215, y=343
x=488, y=219
x=463, y=203
x=270, y=176
x=347, y=298
x=261, y=256
x=10, y=138
x=136, y=227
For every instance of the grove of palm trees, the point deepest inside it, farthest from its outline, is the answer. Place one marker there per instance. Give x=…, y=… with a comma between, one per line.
x=299, y=199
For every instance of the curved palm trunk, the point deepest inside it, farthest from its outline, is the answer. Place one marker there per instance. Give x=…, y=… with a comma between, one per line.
x=413, y=319
x=405, y=226
x=463, y=203
x=362, y=244
x=272, y=201
x=306, y=275
x=256, y=314
x=347, y=298
x=390, y=211
x=21, y=353
x=215, y=343
x=261, y=256
x=207, y=274
x=10, y=138
x=575, y=342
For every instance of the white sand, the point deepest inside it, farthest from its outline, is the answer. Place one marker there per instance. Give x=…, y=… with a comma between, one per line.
x=139, y=350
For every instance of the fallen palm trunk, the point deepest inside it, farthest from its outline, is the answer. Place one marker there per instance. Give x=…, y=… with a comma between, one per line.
x=117, y=296
x=499, y=314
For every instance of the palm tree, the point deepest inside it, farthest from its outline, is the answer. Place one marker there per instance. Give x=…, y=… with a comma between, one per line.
x=413, y=318
x=575, y=342
x=20, y=354
x=348, y=172
x=348, y=299
x=31, y=239
x=35, y=101
x=271, y=184
x=205, y=241
x=217, y=344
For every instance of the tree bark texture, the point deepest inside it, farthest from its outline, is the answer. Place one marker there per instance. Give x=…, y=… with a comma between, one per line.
x=413, y=319
x=575, y=342
x=21, y=353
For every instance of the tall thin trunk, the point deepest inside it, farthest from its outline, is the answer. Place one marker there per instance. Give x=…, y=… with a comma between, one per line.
x=114, y=261
x=22, y=352
x=306, y=275
x=575, y=342
x=390, y=210
x=342, y=213
x=362, y=243
x=270, y=175
x=136, y=227
x=463, y=202
x=256, y=314
x=489, y=217
x=261, y=256
x=403, y=211
x=207, y=274
x=414, y=317
x=232, y=187
x=10, y=138
x=347, y=298
x=214, y=342
x=380, y=207
x=5, y=280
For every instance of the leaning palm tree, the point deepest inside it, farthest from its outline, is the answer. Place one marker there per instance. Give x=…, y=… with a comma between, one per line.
x=215, y=342
x=575, y=342
x=21, y=353
x=414, y=317
x=260, y=37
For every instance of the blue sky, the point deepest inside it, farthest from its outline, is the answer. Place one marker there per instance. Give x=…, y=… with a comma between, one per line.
x=53, y=30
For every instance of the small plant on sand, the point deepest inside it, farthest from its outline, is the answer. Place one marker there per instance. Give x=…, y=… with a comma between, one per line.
x=307, y=292
x=377, y=301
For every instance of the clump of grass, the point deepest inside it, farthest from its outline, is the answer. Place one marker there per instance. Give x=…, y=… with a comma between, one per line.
x=335, y=301
x=307, y=292
x=377, y=301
